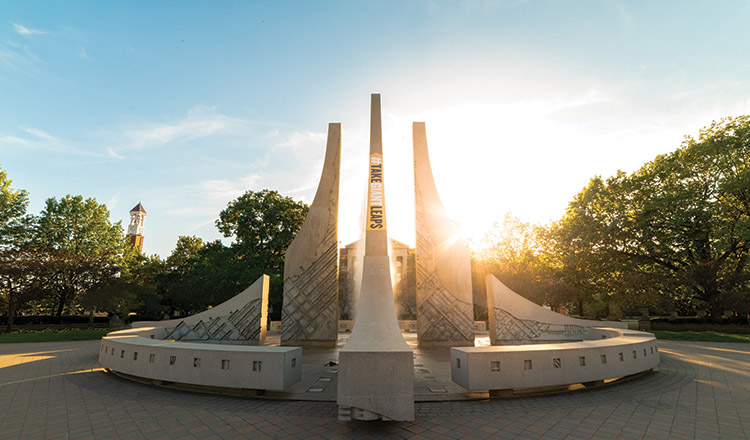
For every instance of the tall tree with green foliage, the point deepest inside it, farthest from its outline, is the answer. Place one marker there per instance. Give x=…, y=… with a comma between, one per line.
x=679, y=227
x=263, y=224
x=84, y=248
x=16, y=259
x=185, y=254
x=516, y=253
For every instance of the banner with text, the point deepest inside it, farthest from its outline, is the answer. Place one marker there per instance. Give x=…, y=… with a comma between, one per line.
x=375, y=201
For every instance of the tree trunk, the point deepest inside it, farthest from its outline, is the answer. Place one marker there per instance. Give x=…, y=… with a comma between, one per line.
x=11, y=308
x=61, y=305
x=11, y=312
x=580, y=307
x=91, y=318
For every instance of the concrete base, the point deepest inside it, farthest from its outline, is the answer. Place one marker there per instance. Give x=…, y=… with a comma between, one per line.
x=134, y=353
x=376, y=366
x=376, y=385
x=427, y=344
x=616, y=353
x=311, y=344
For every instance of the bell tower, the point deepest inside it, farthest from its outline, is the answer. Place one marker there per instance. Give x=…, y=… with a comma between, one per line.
x=135, y=228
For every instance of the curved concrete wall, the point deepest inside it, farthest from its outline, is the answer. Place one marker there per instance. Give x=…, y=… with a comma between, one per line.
x=243, y=317
x=144, y=352
x=617, y=353
x=514, y=319
x=139, y=352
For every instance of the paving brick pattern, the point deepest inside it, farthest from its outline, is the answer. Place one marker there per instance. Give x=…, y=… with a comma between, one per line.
x=58, y=391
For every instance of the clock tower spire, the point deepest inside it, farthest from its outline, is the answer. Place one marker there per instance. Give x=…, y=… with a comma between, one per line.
x=135, y=228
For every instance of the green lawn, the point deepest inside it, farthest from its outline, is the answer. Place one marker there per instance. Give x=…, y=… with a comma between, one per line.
x=54, y=335
x=701, y=336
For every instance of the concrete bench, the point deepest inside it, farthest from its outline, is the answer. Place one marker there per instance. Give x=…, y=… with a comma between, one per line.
x=140, y=352
x=617, y=353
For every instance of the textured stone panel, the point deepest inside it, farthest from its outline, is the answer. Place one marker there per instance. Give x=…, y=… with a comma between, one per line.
x=514, y=330
x=243, y=317
x=445, y=312
x=516, y=320
x=310, y=310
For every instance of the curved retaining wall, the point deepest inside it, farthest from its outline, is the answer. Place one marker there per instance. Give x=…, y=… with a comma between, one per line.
x=515, y=320
x=139, y=352
x=617, y=353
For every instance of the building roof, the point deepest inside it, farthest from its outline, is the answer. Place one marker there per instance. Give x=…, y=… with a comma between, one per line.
x=138, y=208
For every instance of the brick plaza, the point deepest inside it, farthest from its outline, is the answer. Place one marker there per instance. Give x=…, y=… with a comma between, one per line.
x=59, y=391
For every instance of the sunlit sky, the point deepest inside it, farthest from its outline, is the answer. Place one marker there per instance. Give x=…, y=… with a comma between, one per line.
x=186, y=105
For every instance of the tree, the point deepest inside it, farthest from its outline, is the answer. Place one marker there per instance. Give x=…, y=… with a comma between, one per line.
x=15, y=257
x=263, y=224
x=514, y=251
x=209, y=276
x=115, y=295
x=148, y=273
x=678, y=228
x=84, y=249
x=185, y=253
x=13, y=204
x=406, y=289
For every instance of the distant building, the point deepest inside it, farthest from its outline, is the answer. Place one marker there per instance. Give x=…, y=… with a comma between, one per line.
x=350, y=272
x=135, y=228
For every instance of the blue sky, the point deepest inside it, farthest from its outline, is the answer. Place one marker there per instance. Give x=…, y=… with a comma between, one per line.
x=186, y=105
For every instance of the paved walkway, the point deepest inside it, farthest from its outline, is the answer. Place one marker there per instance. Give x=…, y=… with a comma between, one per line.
x=58, y=390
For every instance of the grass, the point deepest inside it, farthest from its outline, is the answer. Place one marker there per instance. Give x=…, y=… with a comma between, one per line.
x=78, y=334
x=701, y=336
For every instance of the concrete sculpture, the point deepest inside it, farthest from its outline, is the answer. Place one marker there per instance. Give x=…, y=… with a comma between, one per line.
x=610, y=353
x=376, y=366
x=310, y=310
x=516, y=320
x=243, y=318
x=535, y=347
x=445, y=311
x=219, y=354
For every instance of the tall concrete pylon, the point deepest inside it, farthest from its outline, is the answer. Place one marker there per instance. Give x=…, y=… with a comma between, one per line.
x=310, y=309
x=376, y=366
x=445, y=310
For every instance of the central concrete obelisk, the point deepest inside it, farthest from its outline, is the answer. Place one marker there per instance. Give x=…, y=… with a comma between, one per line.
x=376, y=366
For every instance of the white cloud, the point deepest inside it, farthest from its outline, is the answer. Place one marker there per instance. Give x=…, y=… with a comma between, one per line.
x=15, y=141
x=43, y=141
x=113, y=154
x=302, y=140
x=40, y=134
x=200, y=122
x=225, y=190
x=23, y=30
x=112, y=202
